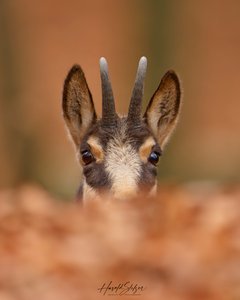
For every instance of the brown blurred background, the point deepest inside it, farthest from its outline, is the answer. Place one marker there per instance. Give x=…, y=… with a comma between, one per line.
x=41, y=40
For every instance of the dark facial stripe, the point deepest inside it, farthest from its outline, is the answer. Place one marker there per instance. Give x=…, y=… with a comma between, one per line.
x=79, y=195
x=148, y=176
x=96, y=177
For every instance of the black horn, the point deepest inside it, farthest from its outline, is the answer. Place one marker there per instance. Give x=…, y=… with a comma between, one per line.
x=135, y=107
x=108, y=106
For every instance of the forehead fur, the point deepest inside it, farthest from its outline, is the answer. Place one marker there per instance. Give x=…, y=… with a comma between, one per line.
x=121, y=133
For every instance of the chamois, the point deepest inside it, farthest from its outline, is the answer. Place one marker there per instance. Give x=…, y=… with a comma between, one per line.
x=119, y=154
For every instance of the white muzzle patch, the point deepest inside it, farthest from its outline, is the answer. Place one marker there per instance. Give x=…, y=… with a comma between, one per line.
x=123, y=166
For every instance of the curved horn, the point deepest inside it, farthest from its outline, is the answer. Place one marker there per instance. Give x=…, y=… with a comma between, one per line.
x=108, y=106
x=135, y=107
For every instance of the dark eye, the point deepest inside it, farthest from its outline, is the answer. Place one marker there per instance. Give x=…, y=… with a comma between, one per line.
x=154, y=157
x=87, y=157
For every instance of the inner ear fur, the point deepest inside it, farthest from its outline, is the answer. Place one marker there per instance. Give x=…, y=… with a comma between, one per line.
x=77, y=104
x=163, y=109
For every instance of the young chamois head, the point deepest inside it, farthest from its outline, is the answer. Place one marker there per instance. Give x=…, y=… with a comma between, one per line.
x=118, y=154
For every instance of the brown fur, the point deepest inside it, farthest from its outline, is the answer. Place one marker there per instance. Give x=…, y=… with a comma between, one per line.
x=163, y=109
x=77, y=104
x=96, y=148
x=146, y=148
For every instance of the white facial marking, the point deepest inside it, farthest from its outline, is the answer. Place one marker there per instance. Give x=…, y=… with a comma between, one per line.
x=123, y=166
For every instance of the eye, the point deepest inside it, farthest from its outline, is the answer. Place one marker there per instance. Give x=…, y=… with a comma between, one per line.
x=87, y=157
x=154, y=157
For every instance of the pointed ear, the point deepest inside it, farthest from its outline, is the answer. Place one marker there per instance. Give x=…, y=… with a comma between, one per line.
x=77, y=104
x=163, y=109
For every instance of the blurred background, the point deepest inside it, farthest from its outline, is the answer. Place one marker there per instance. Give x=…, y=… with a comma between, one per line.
x=41, y=40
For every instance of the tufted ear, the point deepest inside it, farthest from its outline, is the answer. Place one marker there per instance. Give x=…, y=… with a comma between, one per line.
x=77, y=104
x=163, y=109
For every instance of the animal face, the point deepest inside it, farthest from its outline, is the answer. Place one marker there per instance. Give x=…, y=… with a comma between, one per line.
x=119, y=155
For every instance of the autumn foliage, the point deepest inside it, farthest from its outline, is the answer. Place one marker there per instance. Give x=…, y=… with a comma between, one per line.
x=184, y=244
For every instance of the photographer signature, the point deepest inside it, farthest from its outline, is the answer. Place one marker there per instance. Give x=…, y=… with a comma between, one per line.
x=126, y=288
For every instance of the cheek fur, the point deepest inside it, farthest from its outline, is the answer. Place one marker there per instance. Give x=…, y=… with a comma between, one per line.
x=96, y=176
x=148, y=176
